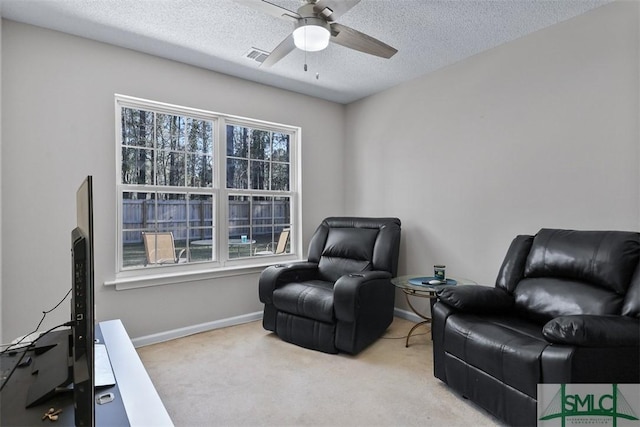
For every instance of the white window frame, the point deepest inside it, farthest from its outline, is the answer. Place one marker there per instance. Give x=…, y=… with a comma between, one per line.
x=224, y=266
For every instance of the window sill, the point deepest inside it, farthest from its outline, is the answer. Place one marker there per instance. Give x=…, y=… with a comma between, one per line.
x=173, y=277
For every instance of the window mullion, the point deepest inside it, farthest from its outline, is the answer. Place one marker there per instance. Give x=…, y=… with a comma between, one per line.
x=222, y=207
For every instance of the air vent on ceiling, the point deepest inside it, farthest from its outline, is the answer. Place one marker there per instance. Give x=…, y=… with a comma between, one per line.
x=256, y=55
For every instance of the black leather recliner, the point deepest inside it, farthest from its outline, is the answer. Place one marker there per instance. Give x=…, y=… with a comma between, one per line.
x=341, y=298
x=565, y=309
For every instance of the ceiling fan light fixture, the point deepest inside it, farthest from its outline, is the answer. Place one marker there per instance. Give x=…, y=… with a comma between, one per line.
x=311, y=35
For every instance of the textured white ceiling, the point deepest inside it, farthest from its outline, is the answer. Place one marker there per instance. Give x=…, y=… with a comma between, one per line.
x=215, y=34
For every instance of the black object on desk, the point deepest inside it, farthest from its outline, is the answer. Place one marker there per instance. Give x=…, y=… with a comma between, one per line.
x=31, y=386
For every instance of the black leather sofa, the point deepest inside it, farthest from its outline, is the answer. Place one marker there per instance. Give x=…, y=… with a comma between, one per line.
x=565, y=309
x=341, y=299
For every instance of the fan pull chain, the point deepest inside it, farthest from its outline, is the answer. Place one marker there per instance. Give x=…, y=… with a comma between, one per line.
x=305, y=48
x=306, y=68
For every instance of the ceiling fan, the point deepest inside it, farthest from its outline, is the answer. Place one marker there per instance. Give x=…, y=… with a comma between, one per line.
x=315, y=25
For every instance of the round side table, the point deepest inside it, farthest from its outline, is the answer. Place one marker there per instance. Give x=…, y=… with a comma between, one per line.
x=416, y=285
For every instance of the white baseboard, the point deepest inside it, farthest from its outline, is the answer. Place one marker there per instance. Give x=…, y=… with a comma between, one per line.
x=195, y=329
x=231, y=321
x=407, y=315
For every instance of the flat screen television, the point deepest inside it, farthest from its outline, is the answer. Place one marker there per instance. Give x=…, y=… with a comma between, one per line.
x=68, y=364
x=82, y=307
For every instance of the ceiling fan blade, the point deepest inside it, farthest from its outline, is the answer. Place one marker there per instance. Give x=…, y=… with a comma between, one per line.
x=335, y=8
x=271, y=9
x=282, y=50
x=353, y=39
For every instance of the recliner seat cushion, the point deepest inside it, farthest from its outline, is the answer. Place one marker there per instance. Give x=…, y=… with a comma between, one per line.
x=312, y=299
x=508, y=348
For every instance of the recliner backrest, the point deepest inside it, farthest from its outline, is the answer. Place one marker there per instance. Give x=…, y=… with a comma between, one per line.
x=577, y=272
x=606, y=259
x=343, y=245
x=631, y=306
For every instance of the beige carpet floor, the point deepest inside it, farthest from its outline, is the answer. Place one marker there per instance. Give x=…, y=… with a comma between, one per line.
x=246, y=376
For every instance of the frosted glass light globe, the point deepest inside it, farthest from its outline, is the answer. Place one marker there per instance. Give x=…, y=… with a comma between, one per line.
x=311, y=38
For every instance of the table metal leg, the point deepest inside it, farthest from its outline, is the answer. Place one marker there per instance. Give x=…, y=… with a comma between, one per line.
x=426, y=321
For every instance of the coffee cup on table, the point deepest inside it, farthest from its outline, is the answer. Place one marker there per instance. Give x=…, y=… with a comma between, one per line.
x=439, y=272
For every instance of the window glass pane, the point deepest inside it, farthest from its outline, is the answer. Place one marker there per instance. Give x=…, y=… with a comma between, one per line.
x=266, y=240
x=282, y=240
x=237, y=173
x=239, y=237
x=282, y=211
x=137, y=127
x=201, y=232
x=201, y=244
x=280, y=147
x=138, y=214
x=270, y=219
x=201, y=236
x=199, y=135
x=180, y=242
x=170, y=132
x=260, y=144
x=172, y=214
x=170, y=168
x=207, y=137
x=262, y=214
x=238, y=213
x=262, y=222
x=237, y=141
x=260, y=175
x=133, y=249
x=241, y=245
x=138, y=211
x=199, y=170
x=280, y=176
x=201, y=211
x=137, y=166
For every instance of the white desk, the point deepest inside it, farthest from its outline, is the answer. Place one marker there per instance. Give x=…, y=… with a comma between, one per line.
x=136, y=401
x=140, y=398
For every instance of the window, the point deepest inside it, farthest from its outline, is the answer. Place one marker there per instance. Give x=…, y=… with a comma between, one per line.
x=258, y=165
x=204, y=189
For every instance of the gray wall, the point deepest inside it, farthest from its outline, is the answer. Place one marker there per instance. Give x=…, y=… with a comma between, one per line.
x=1, y=334
x=539, y=132
x=59, y=127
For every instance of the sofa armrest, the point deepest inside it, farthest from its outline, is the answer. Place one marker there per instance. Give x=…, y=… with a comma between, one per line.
x=476, y=299
x=284, y=273
x=364, y=289
x=593, y=331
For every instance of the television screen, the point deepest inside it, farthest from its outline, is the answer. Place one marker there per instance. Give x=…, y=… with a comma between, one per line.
x=61, y=362
x=82, y=306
